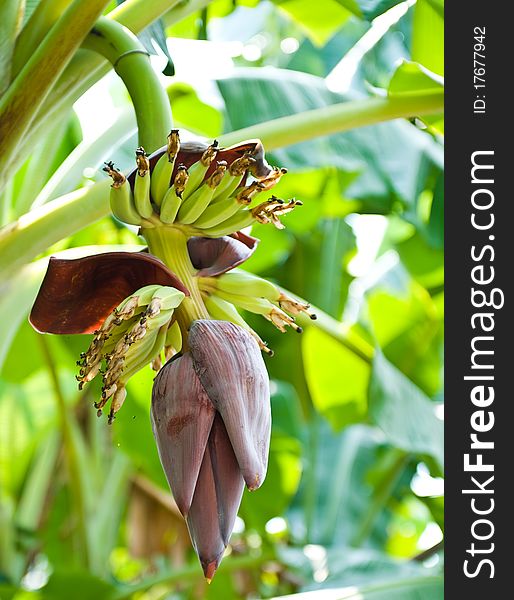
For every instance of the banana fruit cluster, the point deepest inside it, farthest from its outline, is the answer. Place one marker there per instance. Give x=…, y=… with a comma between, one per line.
x=133, y=335
x=249, y=292
x=208, y=197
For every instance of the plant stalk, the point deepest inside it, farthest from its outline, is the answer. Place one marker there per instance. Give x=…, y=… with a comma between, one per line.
x=86, y=67
x=132, y=63
x=337, y=118
x=26, y=94
x=170, y=245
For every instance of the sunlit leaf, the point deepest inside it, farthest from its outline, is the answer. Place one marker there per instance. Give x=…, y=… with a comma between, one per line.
x=427, y=35
x=338, y=380
x=319, y=24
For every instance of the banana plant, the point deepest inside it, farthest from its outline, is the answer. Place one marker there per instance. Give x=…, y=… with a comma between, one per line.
x=176, y=304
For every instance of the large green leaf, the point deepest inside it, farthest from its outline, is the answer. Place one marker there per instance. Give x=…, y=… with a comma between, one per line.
x=338, y=380
x=320, y=24
x=11, y=14
x=282, y=479
x=84, y=585
x=412, y=77
x=332, y=504
x=403, y=412
x=366, y=566
x=369, y=9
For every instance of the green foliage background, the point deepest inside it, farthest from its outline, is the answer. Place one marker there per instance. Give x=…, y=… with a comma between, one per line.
x=352, y=496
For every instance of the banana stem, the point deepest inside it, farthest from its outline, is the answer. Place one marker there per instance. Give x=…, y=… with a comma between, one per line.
x=26, y=94
x=86, y=68
x=170, y=245
x=285, y=131
x=132, y=63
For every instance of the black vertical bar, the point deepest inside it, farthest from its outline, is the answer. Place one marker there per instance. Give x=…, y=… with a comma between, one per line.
x=478, y=119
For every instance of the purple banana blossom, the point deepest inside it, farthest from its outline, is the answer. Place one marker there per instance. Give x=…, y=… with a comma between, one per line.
x=212, y=421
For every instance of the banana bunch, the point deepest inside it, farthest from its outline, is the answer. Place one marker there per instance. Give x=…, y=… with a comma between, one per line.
x=223, y=293
x=132, y=336
x=209, y=198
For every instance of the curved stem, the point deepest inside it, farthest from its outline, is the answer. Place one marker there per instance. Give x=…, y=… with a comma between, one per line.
x=338, y=331
x=340, y=117
x=86, y=67
x=132, y=63
x=26, y=94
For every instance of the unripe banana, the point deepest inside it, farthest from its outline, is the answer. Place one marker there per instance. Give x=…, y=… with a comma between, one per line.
x=174, y=337
x=142, y=185
x=221, y=310
x=246, y=284
x=163, y=170
x=173, y=198
x=243, y=218
x=226, y=188
x=170, y=297
x=121, y=199
x=216, y=213
x=261, y=306
x=199, y=200
x=199, y=169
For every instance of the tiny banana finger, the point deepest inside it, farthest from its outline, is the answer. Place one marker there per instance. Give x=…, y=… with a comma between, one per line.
x=121, y=198
x=163, y=170
x=142, y=185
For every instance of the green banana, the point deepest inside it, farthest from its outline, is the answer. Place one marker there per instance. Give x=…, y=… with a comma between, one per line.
x=243, y=218
x=170, y=297
x=233, y=178
x=198, y=171
x=195, y=205
x=173, y=196
x=246, y=284
x=260, y=306
x=163, y=170
x=142, y=185
x=121, y=199
x=263, y=307
x=174, y=337
x=216, y=213
x=221, y=310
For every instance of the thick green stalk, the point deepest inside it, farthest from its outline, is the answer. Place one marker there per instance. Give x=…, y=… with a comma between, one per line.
x=24, y=239
x=26, y=94
x=170, y=245
x=132, y=63
x=33, y=233
x=343, y=116
x=44, y=17
x=86, y=67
